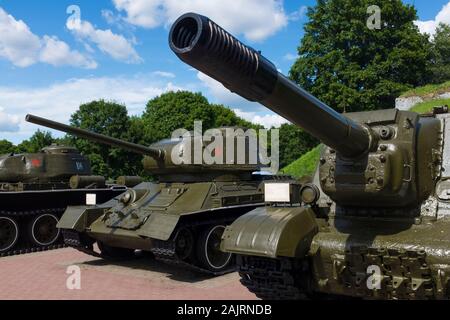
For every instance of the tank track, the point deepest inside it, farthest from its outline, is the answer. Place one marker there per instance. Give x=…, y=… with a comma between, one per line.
x=164, y=251
x=20, y=251
x=76, y=240
x=271, y=279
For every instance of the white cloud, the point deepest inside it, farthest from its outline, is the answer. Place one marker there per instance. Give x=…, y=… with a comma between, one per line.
x=164, y=74
x=430, y=26
x=115, y=45
x=8, y=123
x=109, y=16
x=60, y=100
x=23, y=48
x=290, y=56
x=299, y=14
x=17, y=43
x=220, y=94
x=267, y=120
x=255, y=19
x=58, y=53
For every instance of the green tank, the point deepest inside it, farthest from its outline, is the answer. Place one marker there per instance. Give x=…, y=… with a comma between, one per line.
x=36, y=188
x=374, y=224
x=179, y=217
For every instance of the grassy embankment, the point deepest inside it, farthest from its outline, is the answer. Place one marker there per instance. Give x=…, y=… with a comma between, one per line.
x=305, y=165
x=427, y=93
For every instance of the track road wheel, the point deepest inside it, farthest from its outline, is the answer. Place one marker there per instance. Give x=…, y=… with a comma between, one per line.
x=208, y=250
x=9, y=233
x=115, y=253
x=184, y=244
x=42, y=230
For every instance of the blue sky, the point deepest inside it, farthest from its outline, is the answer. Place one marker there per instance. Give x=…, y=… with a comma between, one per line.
x=51, y=62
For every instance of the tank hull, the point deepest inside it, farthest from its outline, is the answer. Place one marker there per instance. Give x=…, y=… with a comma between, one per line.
x=359, y=258
x=28, y=218
x=43, y=199
x=170, y=220
x=413, y=259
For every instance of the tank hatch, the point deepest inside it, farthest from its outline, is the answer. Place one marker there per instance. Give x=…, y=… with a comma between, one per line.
x=57, y=149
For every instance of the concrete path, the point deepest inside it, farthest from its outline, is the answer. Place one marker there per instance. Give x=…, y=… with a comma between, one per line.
x=44, y=276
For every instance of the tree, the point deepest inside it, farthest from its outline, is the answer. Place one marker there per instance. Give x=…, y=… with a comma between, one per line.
x=110, y=119
x=294, y=142
x=225, y=117
x=39, y=140
x=175, y=110
x=66, y=141
x=353, y=68
x=6, y=147
x=441, y=54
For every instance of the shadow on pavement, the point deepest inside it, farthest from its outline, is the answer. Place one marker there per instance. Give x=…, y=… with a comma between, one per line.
x=146, y=262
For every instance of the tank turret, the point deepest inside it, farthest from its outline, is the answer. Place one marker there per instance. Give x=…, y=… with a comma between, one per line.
x=53, y=164
x=175, y=159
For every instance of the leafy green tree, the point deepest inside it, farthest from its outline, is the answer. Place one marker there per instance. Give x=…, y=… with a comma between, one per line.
x=175, y=110
x=441, y=54
x=294, y=142
x=39, y=140
x=353, y=68
x=6, y=147
x=225, y=117
x=136, y=132
x=110, y=119
x=66, y=141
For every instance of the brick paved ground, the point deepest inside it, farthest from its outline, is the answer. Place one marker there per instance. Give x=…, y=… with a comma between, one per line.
x=43, y=276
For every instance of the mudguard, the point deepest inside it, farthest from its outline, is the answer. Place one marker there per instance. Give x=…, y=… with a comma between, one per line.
x=78, y=218
x=159, y=226
x=272, y=232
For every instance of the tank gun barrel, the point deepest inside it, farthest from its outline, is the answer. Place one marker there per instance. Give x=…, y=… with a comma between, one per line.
x=204, y=45
x=100, y=138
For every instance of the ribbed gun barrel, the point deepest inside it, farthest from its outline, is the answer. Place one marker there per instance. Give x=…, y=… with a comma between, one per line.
x=100, y=138
x=204, y=45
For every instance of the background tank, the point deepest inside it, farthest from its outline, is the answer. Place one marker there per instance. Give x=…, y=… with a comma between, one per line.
x=376, y=222
x=36, y=188
x=180, y=217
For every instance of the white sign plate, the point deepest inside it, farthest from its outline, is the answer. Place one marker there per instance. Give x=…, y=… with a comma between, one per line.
x=277, y=192
x=91, y=199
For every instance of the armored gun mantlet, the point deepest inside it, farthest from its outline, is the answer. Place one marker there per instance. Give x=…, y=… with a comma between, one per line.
x=393, y=173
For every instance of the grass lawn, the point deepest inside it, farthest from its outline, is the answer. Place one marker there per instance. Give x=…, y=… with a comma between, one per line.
x=427, y=106
x=429, y=90
x=305, y=165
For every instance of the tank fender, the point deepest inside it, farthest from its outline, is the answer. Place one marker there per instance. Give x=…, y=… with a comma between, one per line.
x=79, y=218
x=159, y=226
x=272, y=232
